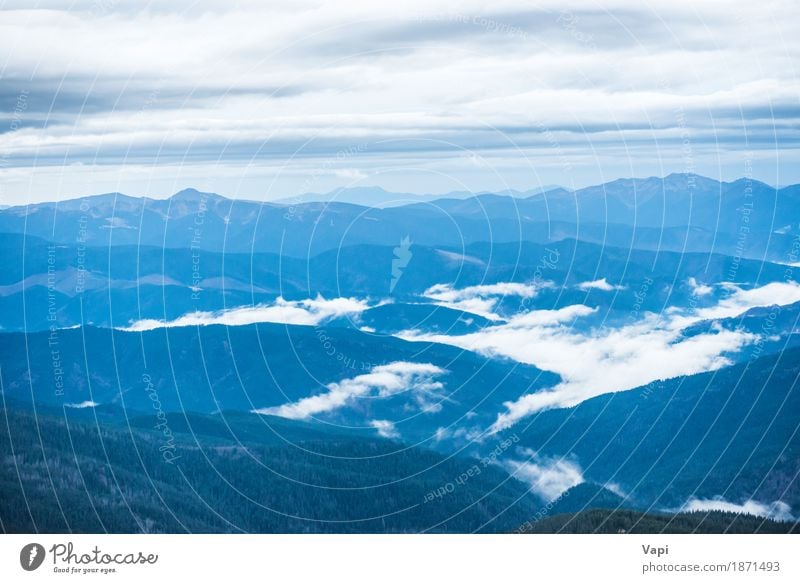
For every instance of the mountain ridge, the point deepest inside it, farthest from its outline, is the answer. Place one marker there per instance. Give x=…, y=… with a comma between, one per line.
x=671, y=179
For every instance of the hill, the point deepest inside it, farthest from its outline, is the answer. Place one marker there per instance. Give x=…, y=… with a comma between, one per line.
x=604, y=521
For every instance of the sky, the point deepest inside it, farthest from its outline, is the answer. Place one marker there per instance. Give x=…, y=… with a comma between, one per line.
x=266, y=100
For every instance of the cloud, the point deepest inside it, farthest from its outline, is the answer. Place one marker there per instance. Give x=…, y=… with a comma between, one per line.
x=381, y=382
x=619, y=360
x=459, y=258
x=302, y=313
x=615, y=488
x=349, y=174
x=470, y=434
x=478, y=299
x=600, y=284
x=699, y=289
x=385, y=428
x=82, y=405
x=591, y=363
x=550, y=317
x=401, y=80
x=548, y=477
x=776, y=510
x=594, y=362
x=740, y=300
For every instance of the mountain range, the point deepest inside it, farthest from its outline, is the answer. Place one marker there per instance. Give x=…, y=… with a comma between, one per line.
x=364, y=361
x=681, y=212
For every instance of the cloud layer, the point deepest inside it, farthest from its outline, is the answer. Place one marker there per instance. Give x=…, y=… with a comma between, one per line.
x=594, y=362
x=302, y=313
x=439, y=93
x=478, y=299
x=418, y=379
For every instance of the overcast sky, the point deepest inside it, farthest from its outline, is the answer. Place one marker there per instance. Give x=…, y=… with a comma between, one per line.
x=269, y=99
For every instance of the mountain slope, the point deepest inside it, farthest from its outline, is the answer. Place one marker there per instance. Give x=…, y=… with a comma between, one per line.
x=210, y=368
x=62, y=475
x=43, y=285
x=731, y=433
x=603, y=521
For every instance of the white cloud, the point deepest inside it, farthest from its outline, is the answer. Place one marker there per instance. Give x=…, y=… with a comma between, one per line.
x=589, y=363
x=385, y=428
x=776, y=510
x=699, y=289
x=478, y=299
x=615, y=489
x=382, y=381
x=303, y=313
x=460, y=258
x=741, y=300
x=548, y=477
x=82, y=405
x=593, y=363
x=350, y=174
x=619, y=360
x=601, y=284
x=445, y=292
x=470, y=434
x=550, y=317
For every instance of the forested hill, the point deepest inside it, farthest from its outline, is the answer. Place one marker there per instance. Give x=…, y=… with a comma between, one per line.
x=621, y=521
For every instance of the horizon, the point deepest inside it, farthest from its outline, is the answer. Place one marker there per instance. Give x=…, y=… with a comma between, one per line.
x=287, y=200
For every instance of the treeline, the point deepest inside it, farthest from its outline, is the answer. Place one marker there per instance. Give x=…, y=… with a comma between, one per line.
x=601, y=521
x=69, y=472
x=60, y=474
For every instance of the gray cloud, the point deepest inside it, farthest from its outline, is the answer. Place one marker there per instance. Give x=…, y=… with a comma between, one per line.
x=286, y=85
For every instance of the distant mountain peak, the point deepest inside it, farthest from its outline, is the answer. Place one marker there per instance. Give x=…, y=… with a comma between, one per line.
x=685, y=176
x=671, y=182
x=361, y=189
x=191, y=194
x=555, y=191
x=690, y=178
